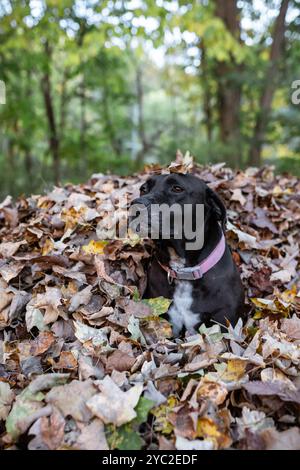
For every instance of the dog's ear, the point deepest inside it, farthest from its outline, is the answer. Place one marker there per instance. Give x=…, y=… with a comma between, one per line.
x=217, y=205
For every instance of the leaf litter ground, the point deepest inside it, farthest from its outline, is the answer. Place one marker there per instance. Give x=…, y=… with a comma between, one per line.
x=85, y=363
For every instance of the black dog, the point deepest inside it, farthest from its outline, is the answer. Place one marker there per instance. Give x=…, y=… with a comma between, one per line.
x=204, y=284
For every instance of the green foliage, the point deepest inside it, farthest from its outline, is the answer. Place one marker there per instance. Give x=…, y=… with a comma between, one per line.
x=159, y=305
x=287, y=165
x=93, y=58
x=26, y=405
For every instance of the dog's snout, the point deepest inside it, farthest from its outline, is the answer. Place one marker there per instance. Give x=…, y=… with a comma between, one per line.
x=143, y=201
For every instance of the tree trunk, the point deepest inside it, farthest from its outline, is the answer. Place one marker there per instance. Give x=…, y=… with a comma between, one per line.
x=49, y=107
x=63, y=106
x=28, y=143
x=83, y=126
x=207, y=98
x=269, y=86
x=141, y=125
x=229, y=87
x=115, y=142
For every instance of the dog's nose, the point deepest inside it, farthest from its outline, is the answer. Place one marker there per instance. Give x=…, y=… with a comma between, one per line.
x=139, y=208
x=143, y=201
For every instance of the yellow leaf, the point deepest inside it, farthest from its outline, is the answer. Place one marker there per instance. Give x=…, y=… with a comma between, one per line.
x=95, y=247
x=236, y=367
x=289, y=294
x=208, y=429
x=257, y=315
x=159, y=305
x=262, y=303
x=279, y=305
x=235, y=370
x=214, y=391
x=48, y=247
x=162, y=413
x=159, y=328
x=277, y=191
x=133, y=239
x=72, y=217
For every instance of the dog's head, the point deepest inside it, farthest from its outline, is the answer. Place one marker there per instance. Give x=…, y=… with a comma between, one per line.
x=182, y=190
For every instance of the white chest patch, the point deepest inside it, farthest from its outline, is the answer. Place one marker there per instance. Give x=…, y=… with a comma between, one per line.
x=180, y=313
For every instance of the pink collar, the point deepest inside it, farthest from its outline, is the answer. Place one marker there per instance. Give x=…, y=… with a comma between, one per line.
x=196, y=272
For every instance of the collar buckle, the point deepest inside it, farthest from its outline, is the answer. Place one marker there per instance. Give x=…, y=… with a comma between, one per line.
x=185, y=275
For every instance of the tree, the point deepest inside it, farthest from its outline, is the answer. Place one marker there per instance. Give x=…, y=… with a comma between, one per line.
x=269, y=85
x=229, y=85
x=53, y=136
x=116, y=84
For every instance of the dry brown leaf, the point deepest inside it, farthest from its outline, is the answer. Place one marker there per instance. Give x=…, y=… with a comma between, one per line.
x=119, y=361
x=71, y=399
x=285, y=440
x=213, y=391
x=67, y=360
x=92, y=437
x=6, y=398
x=42, y=343
x=85, y=305
x=112, y=405
x=50, y=301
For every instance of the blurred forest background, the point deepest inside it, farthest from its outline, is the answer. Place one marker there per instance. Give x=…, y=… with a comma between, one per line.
x=93, y=86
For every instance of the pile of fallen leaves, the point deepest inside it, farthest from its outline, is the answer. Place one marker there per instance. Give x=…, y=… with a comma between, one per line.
x=85, y=363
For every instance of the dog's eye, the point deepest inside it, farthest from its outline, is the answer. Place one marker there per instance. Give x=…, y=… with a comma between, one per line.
x=143, y=190
x=177, y=189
